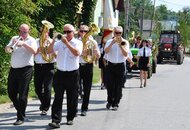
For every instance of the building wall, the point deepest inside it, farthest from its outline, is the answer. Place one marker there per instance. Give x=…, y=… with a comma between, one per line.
x=98, y=13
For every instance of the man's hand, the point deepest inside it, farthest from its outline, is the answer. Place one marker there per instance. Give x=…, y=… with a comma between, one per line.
x=131, y=64
x=148, y=65
x=20, y=44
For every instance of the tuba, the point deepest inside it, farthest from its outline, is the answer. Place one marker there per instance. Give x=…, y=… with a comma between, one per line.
x=89, y=47
x=43, y=39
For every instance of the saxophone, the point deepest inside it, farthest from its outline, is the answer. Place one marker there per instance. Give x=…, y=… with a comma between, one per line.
x=43, y=39
x=90, y=46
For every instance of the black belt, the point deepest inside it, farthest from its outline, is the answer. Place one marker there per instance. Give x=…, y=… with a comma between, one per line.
x=84, y=64
x=45, y=64
x=67, y=71
x=110, y=63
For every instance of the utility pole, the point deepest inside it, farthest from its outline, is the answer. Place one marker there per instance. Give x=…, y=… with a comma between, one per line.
x=152, y=19
x=126, y=25
x=142, y=18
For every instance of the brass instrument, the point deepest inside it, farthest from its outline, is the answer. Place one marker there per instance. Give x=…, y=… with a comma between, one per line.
x=90, y=46
x=131, y=39
x=120, y=41
x=43, y=39
x=14, y=45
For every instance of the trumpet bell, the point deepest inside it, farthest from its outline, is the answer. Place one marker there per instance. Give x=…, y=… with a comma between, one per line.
x=47, y=23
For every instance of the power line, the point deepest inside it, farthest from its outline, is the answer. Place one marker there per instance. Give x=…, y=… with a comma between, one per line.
x=172, y=3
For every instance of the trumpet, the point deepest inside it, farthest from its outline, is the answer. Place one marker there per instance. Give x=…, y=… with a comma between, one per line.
x=120, y=41
x=14, y=45
x=59, y=36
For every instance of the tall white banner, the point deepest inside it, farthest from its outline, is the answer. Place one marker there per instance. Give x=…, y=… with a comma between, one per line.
x=110, y=20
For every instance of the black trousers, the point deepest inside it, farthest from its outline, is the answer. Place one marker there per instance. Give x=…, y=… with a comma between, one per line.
x=86, y=74
x=65, y=81
x=18, y=86
x=125, y=74
x=115, y=75
x=43, y=78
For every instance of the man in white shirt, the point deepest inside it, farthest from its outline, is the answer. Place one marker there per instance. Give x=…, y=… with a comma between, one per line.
x=66, y=78
x=86, y=68
x=116, y=54
x=44, y=71
x=22, y=49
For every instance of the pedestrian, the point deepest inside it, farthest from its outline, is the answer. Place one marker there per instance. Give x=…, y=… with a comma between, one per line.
x=22, y=49
x=86, y=67
x=116, y=50
x=143, y=61
x=44, y=68
x=137, y=42
x=66, y=77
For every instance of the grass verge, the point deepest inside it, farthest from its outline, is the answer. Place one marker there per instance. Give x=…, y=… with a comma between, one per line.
x=32, y=94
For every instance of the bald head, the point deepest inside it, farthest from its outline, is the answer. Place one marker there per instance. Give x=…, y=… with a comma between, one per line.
x=24, y=26
x=24, y=30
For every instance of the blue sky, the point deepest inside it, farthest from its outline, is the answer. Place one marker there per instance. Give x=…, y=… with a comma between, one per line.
x=174, y=5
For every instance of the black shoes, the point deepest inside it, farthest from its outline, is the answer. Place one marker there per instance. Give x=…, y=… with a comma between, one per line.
x=108, y=105
x=54, y=125
x=57, y=125
x=115, y=108
x=83, y=113
x=43, y=113
x=70, y=122
x=18, y=122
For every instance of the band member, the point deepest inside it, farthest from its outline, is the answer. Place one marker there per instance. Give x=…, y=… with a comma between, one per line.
x=143, y=60
x=23, y=48
x=137, y=43
x=116, y=50
x=86, y=68
x=66, y=77
x=44, y=69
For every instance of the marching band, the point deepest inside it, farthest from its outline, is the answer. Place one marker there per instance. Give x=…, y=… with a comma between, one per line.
x=64, y=65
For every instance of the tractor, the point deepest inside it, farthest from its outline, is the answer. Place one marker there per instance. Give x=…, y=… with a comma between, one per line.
x=170, y=47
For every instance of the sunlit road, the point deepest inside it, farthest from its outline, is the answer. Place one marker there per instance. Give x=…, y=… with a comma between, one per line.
x=163, y=105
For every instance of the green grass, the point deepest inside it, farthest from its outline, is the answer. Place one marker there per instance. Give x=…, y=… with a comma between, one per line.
x=4, y=99
x=96, y=75
x=32, y=94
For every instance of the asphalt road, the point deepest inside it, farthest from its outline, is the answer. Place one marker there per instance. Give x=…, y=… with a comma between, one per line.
x=163, y=105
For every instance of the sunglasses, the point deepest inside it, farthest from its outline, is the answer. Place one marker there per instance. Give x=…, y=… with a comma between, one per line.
x=83, y=31
x=67, y=32
x=23, y=32
x=118, y=32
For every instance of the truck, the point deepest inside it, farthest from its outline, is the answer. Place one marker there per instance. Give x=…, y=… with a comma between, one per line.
x=170, y=47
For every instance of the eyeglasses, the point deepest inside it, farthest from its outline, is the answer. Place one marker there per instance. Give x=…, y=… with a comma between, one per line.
x=67, y=32
x=83, y=31
x=23, y=32
x=118, y=32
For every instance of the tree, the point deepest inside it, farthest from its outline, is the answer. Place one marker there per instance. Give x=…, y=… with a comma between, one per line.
x=87, y=11
x=184, y=26
x=12, y=14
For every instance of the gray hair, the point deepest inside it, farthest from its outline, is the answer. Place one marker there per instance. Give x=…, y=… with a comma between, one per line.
x=118, y=29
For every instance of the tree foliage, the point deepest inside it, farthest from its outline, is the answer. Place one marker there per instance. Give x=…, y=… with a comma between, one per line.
x=184, y=26
x=88, y=8
x=32, y=12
